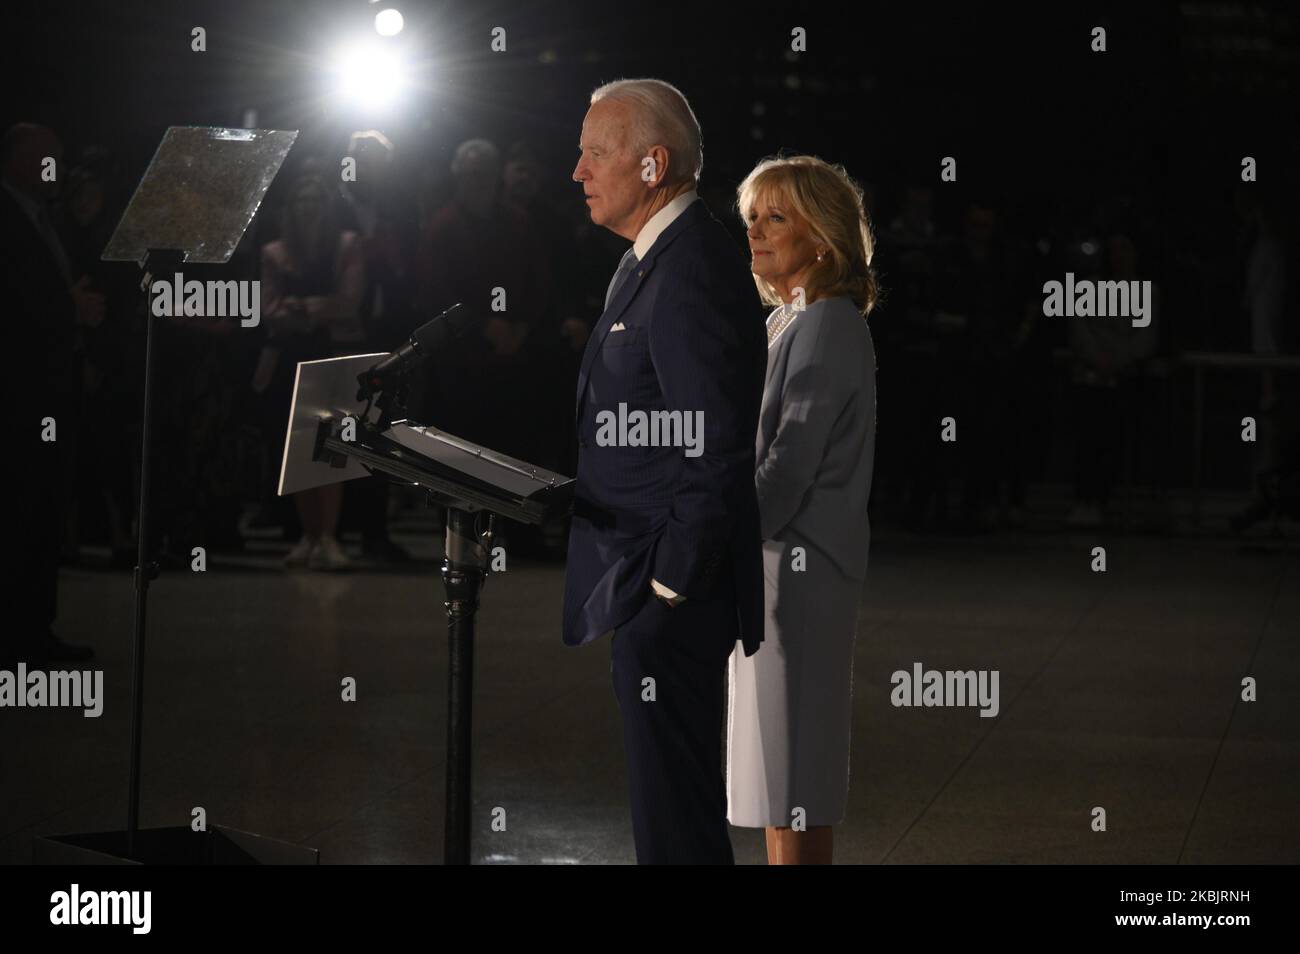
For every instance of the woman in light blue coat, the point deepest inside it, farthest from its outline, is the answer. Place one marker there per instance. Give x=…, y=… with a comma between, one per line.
x=790, y=703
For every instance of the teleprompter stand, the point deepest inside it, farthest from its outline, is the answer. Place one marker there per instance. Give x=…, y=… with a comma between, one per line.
x=193, y=205
x=331, y=438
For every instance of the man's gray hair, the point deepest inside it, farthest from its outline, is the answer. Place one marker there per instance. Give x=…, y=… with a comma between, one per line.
x=661, y=116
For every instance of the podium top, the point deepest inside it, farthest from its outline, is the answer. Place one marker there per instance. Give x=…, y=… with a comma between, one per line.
x=453, y=471
x=199, y=193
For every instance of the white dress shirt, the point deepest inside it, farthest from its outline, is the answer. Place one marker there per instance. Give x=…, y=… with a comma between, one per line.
x=651, y=231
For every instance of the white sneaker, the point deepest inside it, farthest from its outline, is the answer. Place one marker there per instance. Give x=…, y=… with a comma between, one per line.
x=329, y=555
x=301, y=551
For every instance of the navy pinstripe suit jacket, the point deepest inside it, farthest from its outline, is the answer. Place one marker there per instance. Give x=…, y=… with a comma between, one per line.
x=692, y=339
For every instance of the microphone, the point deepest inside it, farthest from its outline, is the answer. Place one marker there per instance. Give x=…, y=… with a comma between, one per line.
x=430, y=336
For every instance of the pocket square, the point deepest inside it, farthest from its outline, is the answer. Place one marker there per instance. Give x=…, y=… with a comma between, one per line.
x=618, y=326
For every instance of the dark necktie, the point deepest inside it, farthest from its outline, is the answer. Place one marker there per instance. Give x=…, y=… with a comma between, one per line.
x=629, y=262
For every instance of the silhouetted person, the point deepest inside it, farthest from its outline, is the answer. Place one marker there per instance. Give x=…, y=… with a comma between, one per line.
x=1268, y=290
x=907, y=340
x=980, y=313
x=555, y=351
x=312, y=281
x=382, y=214
x=1106, y=351
x=113, y=366
x=483, y=251
x=47, y=305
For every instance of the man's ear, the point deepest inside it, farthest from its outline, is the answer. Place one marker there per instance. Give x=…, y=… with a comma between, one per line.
x=654, y=166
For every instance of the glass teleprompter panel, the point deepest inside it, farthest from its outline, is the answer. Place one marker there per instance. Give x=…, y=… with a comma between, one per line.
x=199, y=193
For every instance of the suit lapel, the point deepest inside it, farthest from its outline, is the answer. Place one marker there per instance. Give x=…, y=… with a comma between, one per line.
x=692, y=214
x=617, y=305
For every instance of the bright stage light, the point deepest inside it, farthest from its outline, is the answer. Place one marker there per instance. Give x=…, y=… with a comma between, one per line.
x=369, y=75
x=388, y=22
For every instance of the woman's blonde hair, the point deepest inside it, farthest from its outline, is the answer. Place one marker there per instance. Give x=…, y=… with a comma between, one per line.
x=830, y=202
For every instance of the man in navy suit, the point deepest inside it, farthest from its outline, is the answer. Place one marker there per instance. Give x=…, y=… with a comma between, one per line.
x=665, y=548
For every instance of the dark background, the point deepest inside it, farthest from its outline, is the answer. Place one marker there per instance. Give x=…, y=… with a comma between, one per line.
x=1037, y=121
x=1067, y=145
x=1064, y=148
x=1064, y=145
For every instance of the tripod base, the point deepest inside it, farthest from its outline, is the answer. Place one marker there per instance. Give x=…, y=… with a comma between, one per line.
x=170, y=846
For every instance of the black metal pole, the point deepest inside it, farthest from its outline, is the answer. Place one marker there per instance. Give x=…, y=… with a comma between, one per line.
x=463, y=570
x=145, y=570
x=142, y=576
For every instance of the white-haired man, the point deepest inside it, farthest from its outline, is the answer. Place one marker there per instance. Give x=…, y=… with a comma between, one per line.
x=665, y=548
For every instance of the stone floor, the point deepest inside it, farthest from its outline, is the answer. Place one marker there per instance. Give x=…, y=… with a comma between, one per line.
x=1119, y=689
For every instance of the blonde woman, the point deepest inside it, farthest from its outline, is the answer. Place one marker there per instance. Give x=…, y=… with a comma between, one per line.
x=790, y=712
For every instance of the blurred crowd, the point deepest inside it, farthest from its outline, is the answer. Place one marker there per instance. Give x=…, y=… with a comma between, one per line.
x=355, y=266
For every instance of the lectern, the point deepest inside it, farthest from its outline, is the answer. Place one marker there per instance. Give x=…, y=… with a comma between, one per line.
x=333, y=436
